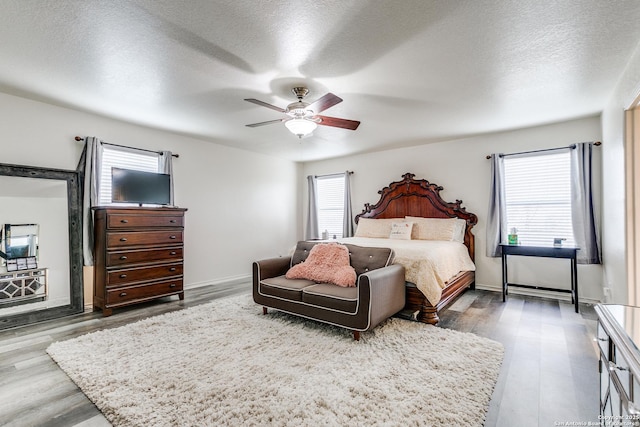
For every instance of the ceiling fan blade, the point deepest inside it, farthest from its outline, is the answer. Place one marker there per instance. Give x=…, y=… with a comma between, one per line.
x=264, y=104
x=327, y=101
x=255, y=125
x=338, y=123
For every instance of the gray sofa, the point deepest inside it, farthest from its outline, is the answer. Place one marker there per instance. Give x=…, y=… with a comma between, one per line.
x=379, y=291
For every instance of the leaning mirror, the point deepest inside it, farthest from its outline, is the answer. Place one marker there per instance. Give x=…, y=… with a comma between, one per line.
x=40, y=244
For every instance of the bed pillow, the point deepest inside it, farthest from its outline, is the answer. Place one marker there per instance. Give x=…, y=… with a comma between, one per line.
x=379, y=228
x=326, y=263
x=401, y=230
x=460, y=232
x=447, y=229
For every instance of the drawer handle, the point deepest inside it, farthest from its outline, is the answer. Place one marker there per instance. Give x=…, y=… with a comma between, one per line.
x=123, y=257
x=614, y=367
x=600, y=339
x=173, y=221
x=172, y=269
x=123, y=294
x=122, y=276
x=173, y=285
x=123, y=239
x=172, y=237
x=124, y=221
x=172, y=253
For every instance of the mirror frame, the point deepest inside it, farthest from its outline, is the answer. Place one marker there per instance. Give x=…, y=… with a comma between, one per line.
x=74, y=203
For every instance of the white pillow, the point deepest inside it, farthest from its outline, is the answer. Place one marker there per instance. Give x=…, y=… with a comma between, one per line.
x=401, y=230
x=447, y=229
x=462, y=229
x=375, y=228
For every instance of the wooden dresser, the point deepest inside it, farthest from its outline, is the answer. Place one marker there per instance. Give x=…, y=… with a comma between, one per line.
x=138, y=255
x=618, y=337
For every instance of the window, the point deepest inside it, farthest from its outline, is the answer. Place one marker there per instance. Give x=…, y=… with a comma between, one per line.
x=538, y=197
x=330, y=194
x=113, y=157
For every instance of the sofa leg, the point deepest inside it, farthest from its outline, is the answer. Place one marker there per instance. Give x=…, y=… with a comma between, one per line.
x=356, y=335
x=264, y=310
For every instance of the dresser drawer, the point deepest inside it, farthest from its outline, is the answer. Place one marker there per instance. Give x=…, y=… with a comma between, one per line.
x=141, y=238
x=619, y=368
x=143, y=256
x=603, y=341
x=153, y=290
x=123, y=220
x=141, y=274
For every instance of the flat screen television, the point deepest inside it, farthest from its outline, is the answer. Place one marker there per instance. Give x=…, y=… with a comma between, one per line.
x=131, y=186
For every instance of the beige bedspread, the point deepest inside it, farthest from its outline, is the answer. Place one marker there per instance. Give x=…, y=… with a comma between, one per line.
x=428, y=263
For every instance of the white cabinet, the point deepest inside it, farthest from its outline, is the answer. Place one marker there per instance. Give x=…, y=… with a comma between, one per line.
x=617, y=334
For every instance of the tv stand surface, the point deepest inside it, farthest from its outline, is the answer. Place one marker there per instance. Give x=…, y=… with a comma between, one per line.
x=139, y=255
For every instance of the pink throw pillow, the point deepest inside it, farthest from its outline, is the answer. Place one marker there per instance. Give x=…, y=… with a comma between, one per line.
x=326, y=263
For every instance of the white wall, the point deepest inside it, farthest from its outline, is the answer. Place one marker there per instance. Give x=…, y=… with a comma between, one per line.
x=241, y=206
x=614, y=228
x=461, y=167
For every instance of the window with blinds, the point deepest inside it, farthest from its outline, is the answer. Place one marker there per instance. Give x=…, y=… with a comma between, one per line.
x=115, y=157
x=330, y=204
x=538, y=197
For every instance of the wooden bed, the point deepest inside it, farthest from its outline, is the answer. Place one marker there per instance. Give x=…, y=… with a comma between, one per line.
x=418, y=197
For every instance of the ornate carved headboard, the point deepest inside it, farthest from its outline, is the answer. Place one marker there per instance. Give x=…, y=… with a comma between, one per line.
x=418, y=197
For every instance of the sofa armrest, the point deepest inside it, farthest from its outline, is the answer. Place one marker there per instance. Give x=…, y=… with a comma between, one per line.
x=272, y=267
x=387, y=288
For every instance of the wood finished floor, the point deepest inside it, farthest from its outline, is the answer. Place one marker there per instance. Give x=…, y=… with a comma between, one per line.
x=549, y=374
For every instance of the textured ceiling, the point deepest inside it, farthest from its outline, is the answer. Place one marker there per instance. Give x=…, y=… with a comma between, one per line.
x=412, y=71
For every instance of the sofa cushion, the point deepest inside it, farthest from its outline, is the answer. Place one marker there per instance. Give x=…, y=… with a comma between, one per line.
x=331, y=297
x=282, y=287
x=326, y=263
x=301, y=252
x=367, y=259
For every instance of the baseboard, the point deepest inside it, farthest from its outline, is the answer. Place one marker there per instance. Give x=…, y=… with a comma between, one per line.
x=561, y=296
x=226, y=281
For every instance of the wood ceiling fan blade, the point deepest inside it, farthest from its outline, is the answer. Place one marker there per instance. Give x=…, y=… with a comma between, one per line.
x=264, y=104
x=327, y=101
x=255, y=125
x=338, y=123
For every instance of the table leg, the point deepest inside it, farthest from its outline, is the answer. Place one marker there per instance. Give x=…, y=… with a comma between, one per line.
x=574, y=281
x=504, y=277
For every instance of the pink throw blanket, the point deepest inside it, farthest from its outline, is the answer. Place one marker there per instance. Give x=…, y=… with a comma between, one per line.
x=326, y=263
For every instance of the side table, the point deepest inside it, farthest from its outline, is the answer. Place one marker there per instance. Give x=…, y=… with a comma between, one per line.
x=541, y=251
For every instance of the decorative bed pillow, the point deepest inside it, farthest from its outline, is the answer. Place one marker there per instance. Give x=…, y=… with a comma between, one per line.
x=326, y=263
x=447, y=229
x=375, y=227
x=401, y=230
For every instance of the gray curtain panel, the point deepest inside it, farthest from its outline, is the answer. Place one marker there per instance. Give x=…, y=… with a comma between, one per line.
x=496, y=218
x=583, y=217
x=347, y=227
x=311, y=231
x=165, y=165
x=92, y=154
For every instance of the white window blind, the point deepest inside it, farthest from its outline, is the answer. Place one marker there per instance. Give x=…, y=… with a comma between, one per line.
x=538, y=197
x=330, y=193
x=115, y=157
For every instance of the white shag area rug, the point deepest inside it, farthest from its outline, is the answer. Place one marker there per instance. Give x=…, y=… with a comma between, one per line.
x=225, y=363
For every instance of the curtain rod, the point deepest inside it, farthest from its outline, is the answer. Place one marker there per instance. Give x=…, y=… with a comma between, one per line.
x=572, y=146
x=332, y=174
x=79, y=138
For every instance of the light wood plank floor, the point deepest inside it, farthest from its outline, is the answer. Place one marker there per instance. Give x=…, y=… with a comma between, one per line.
x=549, y=374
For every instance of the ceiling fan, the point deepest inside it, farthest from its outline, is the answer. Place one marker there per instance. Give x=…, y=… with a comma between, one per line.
x=303, y=118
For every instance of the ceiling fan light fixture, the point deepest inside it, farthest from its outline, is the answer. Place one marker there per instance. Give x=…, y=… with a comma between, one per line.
x=300, y=127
